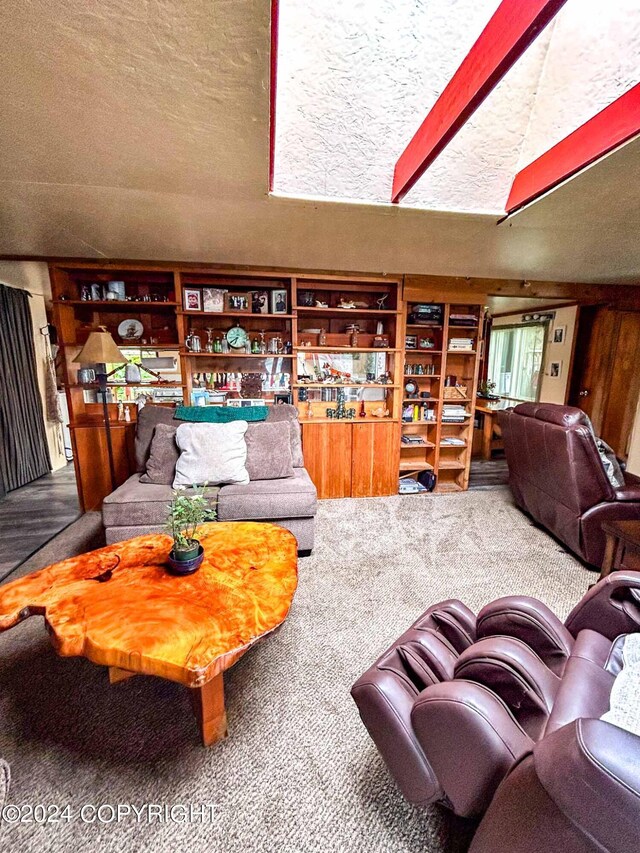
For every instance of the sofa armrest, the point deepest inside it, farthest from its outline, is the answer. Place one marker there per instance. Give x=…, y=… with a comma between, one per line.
x=631, y=489
x=589, y=768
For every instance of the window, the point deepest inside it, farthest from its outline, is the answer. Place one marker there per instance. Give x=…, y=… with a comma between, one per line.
x=515, y=360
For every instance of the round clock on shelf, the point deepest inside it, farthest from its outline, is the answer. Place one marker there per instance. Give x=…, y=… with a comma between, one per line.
x=411, y=388
x=237, y=337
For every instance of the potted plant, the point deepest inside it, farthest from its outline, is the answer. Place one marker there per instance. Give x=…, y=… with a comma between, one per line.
x=486, y=389
x=186, y=514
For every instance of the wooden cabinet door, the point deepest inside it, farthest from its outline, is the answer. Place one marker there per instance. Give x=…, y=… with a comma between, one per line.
x=624, y=384
x=375, y=460
x=91, y=460
x=327, y=458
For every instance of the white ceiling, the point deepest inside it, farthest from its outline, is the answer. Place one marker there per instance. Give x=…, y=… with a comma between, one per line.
x=140, y=130
x=355, y=80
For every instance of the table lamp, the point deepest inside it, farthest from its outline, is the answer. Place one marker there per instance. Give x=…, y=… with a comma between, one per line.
x=100, y=350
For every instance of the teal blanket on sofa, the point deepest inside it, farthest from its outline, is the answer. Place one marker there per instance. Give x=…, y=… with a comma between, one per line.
x=220, y=414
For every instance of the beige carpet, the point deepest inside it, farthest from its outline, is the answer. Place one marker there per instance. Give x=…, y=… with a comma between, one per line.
x=298, y=772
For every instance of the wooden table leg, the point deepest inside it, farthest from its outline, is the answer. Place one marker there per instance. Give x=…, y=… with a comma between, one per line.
x=608, y=561
x=487, y=435
x=208, y=702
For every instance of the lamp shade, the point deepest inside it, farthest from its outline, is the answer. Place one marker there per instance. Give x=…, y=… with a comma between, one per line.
x=100, y=348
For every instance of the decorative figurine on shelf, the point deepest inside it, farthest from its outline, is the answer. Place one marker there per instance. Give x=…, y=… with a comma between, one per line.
x=340, y=412
x=127, y=414
x=322, y=338
x=346, y=303
x=263, y=344
x=381, y=303
x=379, y=412
x=384, y=379
x=309, y=410
x=321, y=304
x=209, y=344
x=120, y=411
x=193, y=342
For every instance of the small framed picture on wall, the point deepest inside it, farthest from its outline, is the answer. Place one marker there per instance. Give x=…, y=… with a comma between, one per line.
x=192, y=299
x=213, y=299
x=259, y=302
x=237, y=302
x=278, y=301
x=559, y=334
x=555, y=369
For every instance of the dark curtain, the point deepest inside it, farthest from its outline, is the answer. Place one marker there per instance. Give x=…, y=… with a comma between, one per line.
x=24, y=454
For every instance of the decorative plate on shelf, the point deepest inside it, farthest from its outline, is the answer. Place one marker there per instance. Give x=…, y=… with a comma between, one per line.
x=130, y=330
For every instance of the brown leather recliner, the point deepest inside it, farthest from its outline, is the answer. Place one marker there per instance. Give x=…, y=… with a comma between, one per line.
x=557, y=477
x=501, y=713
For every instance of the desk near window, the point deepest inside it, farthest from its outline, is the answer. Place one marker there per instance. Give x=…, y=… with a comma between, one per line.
x=487, y=410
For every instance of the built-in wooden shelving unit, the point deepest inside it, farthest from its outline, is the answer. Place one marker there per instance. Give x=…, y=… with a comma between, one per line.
x=441, y=360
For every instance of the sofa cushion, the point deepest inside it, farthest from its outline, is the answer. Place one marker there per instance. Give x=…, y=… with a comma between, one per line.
x=163, y=456
x=287, y=412
x=140, y=504
x=148, y=418
x=293, y=497
x=211, y=453
x=269, y=451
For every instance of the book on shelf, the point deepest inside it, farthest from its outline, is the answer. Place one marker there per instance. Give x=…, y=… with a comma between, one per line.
x=413, y=440
x=409, y=486
x=463, y=319
x=453, y=442
x=454, y=414
x=461, y=343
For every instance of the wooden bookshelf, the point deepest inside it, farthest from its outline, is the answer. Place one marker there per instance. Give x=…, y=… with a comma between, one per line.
x=437, y=363
x=357, y=457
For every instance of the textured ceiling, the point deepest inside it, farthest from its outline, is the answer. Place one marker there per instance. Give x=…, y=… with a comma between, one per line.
x=355, y=81
x=139, y=129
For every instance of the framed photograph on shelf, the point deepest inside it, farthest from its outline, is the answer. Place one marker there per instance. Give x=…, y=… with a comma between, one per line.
x=237, y=302
x=192, y=299
x=559, y=334
x=555, y=369
x=411, y=342
x=213, y=299
x=259, y=302
x=278, y=301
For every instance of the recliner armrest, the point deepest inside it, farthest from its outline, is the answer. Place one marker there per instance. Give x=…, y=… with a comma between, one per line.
x=631, y=489
x=589, y=768
x=611, y=607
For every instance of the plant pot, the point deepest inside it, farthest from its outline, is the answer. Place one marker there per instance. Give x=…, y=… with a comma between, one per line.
x=188, y=566
x=187, y=553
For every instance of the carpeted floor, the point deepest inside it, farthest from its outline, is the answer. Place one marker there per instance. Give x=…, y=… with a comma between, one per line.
x=298, y=772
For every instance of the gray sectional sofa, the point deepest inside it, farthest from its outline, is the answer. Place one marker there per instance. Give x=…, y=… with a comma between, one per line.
x=137, y=507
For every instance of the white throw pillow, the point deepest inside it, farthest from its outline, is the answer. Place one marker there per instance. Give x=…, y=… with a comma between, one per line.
x=211, y=453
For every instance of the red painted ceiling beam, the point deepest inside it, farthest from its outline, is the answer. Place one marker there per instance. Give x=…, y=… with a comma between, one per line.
x=606, y=131
x=513, y=27
x=273, y=86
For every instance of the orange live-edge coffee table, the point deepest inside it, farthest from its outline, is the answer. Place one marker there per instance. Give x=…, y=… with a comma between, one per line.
x=119, y=607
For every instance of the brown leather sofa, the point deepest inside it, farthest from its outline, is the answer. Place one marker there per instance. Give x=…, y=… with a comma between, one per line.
x=500, y=714
x=557, y=477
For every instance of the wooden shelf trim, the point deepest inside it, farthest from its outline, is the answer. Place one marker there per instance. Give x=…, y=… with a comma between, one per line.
x=389, y=312
x=246, y=314
x=187, y=354
x=344, y=385
x=342, y=350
